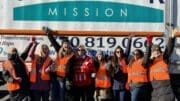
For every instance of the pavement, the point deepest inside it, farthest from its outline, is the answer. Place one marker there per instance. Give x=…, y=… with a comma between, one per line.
x=4, y=95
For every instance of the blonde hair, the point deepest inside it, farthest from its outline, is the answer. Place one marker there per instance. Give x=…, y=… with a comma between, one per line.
x=82, y=47
x=62, y=52
x=39, y=49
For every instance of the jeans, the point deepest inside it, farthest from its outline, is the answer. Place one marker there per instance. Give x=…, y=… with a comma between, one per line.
x=140, y=93
x=119, y=95
x=54, y=89
x=61, y=90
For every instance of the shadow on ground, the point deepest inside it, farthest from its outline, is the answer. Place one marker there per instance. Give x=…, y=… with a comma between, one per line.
x=4, y=94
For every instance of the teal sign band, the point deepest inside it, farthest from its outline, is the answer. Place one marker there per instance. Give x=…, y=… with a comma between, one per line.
x=88, y=11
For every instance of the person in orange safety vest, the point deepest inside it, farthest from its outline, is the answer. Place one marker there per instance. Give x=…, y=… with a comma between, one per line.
x=63, y=69
x=62, y=72
x=138, y=74
x=15, y=73
x=159, y=73
x=103, y=77
x=39, y=75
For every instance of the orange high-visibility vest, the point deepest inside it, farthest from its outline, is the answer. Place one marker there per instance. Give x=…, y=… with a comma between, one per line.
x=61, y=65
x=159, y=70
x=122, y=62
x=137, y=73
x=44, y=75
x=11, y=86
x=102, y=79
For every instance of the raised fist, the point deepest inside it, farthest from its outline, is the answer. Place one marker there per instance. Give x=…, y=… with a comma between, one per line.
x=173, y=33
x=33, y=39
x=46, y=29
x=149, y=39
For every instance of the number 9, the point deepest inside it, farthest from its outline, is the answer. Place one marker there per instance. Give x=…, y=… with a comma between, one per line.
x=111, y=41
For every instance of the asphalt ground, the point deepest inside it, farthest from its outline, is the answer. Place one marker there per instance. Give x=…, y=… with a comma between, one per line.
x=4, y=95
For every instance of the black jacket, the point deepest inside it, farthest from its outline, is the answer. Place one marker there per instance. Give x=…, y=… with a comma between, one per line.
x=20, y=70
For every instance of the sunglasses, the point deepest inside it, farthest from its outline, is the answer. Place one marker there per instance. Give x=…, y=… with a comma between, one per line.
x=81, y=50
x=118, y=51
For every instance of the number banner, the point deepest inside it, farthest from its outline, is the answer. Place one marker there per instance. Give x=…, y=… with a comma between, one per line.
x=106, y=44
x=77, y=16
x=92, y=44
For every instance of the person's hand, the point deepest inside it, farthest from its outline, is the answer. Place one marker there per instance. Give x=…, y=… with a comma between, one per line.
x=173, y=33
x=47, y=69
x=153, y=55
x=68, y=85
x=93, y=75
x=33, y=40
x=127, y=86
x=46, y=29
x=18, y=79
x=149, y=39
x=52, y=67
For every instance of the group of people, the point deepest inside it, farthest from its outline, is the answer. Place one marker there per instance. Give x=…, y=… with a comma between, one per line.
x=75, y=76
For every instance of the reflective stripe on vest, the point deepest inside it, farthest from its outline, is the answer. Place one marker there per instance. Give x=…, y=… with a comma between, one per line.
x=159, y=71
x=102, y=79
x=61, y=65
x=44, y=75
x=11, y=86
x=82, y=79
x=137, y=73
x=82, y=71
x=61, y=70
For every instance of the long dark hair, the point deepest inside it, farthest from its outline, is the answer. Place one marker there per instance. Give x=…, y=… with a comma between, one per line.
x=105, y=59
x=115, y=58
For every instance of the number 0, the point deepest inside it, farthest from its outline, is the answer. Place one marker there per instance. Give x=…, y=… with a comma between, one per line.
x=74, y=41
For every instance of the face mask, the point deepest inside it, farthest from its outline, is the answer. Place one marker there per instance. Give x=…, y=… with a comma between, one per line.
x=12, y=56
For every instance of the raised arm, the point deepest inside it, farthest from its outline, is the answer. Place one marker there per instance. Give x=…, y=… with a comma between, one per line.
x=169, y=47
x=24, y=55
x=128, y=48
x=147, y=52
x=51, y=38
x=33, y=48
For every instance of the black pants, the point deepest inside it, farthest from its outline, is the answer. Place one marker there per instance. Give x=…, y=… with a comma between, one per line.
x=37, y=95
x=83, y=93
x=175, y=83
